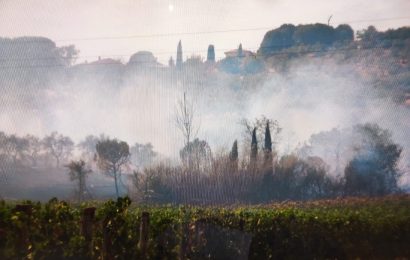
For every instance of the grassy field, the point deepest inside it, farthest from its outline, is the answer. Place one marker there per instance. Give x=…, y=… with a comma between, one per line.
x=366, y=228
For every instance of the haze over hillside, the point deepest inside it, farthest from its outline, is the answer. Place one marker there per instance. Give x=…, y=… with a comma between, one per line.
x=311, y=79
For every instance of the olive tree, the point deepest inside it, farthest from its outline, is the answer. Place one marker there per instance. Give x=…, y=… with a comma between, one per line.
x=78, y=171
x=197, y=155
x=58, y=146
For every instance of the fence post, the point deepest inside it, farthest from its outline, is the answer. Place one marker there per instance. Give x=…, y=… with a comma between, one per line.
x=242, y=229
x=199, y=232
x=87, y=223
x=3, y=236
x=241, y=224
x=184, y=241
x=144, y=229
x=23, y=240
x=107, y=246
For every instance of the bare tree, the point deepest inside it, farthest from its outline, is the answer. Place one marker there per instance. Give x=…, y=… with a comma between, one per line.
x=184, y=119
x=78, y=171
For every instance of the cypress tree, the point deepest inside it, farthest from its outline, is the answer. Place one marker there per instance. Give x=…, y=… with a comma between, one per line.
x=268, y=181
x=211, y=54
x=254, y=146
x=234, y=152
x=240, y=52
x=268, y=147
x=233, y=156
x=179, y=55
x=171, y=62
x=268, y=139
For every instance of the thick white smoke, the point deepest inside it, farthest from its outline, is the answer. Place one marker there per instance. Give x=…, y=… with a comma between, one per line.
x=316, y=94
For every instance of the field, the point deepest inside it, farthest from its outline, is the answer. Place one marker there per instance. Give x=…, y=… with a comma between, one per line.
x=366, y=228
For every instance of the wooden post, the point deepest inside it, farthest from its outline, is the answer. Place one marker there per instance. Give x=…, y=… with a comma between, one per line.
x=24, y=240
x=197, y=239
x=161, y=247
x=199, y=232
x=3, y=235
x=144, y=229
x=107, y=244
x=87, y=223
x=184, y=241
x=242, y=240
x=241, y=224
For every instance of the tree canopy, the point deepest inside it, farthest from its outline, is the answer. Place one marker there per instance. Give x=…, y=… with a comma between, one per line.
x=289, y=35
x=112, y=156
x=373, y=170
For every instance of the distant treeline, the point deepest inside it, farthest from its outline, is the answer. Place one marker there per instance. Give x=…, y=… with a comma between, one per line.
x=37, y=51
x=254, y=174
x=56, y=150
x=322, y=35
x=25, y=58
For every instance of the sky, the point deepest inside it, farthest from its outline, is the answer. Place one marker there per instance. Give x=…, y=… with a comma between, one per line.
x=119, y=28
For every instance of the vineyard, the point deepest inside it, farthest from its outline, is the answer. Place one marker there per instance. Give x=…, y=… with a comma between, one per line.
x=342, y=228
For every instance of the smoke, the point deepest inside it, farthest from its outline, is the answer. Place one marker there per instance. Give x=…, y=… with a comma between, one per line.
x=314, y=95
x=133, y=113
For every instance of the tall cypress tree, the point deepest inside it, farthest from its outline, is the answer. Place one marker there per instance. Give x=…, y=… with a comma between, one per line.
x=266, y=190
x=233, y=156
x=234, y=152
x=268, y=139
x=211, y=54
x=179, y=55
x=254, y=147
x=240, y=52
x=268, y=146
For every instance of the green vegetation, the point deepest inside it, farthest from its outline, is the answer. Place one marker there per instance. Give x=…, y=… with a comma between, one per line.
x=342, y=228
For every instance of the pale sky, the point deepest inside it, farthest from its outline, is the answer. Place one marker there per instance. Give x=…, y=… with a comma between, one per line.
x=118, y=28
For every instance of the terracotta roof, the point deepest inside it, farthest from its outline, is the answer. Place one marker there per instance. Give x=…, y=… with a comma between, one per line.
x=106, y=61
